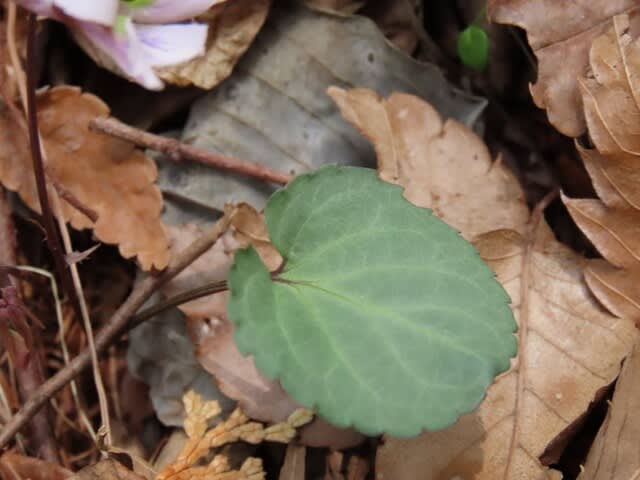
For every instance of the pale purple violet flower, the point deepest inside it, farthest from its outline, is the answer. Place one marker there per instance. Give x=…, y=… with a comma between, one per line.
x=137, y=35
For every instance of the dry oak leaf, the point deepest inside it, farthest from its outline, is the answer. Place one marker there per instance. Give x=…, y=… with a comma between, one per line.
x=612, y=109
x=442, y=165
x=233, y=24
x=569, y=347
x=560, y=34
x=614, y=454
x=107, y=175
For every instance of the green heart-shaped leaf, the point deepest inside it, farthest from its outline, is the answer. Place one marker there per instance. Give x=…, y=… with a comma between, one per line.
x=383, y=317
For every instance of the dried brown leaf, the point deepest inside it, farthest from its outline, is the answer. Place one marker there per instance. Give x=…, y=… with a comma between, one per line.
x=17, y=467
x=560, y=35
x=441, y=164
x=106, y=469
x=238, y=377
x=614, y=454
x=233, y=25
x=611, y=95
x=333, y=469
x=294, y=464
x=249, y=227
x=107, y=175
x=615, y=232
x=615, y=288
x=357, y=468
x=398, y=20
x=569, y=347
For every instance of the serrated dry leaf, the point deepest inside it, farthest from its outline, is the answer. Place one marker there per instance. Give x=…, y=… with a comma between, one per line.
x=107, y=175
x=441, y=164
x=560, y=34
x=615, y=454
x=569, y=347
x=233, y=24
x=611, y=96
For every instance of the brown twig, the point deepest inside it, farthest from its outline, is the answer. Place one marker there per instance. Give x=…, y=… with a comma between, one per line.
x=118, y=324
x=53, y=240
x=178, y=151
x=179, y=299
x=74, y=201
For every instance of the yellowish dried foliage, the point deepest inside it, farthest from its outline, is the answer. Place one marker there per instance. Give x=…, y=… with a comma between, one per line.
x=237, y=427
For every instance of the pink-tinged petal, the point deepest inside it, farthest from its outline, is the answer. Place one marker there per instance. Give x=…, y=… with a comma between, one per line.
x=102, y=12
x=169, y=11
x=125, y=50
x=39, y=7
x=166, y=45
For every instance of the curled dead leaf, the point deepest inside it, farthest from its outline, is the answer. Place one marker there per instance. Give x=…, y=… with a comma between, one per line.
x=614, y=453
x=562, y=48
x=107, y=175
x=233, y=24
x=611, y=97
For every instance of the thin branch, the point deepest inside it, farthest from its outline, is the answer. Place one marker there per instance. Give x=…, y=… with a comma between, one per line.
x=74, y=201
x=88, y=328
x=53, y=240
x=178, y=151
x=117, y=325
x=179, y=299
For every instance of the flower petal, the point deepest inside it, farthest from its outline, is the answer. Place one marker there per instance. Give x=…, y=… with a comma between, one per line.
x=166, y=45
x=126, y=51
x=39, y=7
x=102, y=12
x=165, y=11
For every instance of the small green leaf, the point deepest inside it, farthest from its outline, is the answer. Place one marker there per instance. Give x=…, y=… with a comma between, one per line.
x=383, y=317
x=473, y=47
